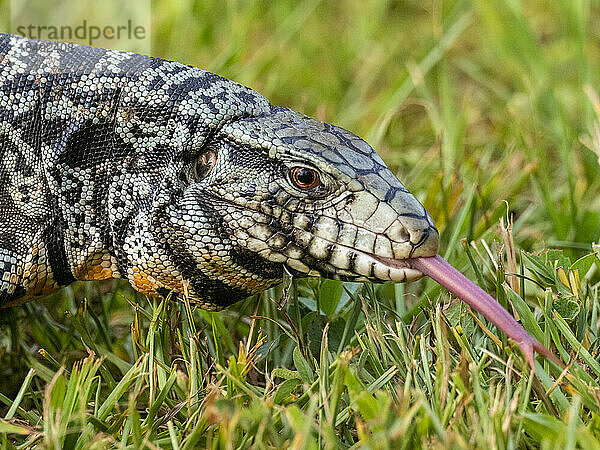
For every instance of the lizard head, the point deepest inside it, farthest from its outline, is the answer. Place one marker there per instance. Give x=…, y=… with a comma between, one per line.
x=283, y=190
x=287, y=190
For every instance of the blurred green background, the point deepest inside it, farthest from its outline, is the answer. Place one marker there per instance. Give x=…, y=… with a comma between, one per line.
x=485, y=109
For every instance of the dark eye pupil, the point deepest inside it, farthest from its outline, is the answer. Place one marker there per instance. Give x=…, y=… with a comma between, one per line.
x=305, y=176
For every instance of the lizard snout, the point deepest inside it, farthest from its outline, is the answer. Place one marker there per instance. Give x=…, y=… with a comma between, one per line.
x=357, y=240
x=417, y=241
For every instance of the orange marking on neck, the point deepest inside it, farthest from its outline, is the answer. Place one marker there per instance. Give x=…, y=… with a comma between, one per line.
x=144, y=283
x=95, y=272
x=96, y=267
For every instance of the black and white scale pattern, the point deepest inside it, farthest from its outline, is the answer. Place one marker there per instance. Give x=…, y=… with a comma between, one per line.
x=114, y=164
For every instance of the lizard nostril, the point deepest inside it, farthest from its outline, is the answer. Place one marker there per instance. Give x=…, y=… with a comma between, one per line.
x=424, y=242
x=397, y=232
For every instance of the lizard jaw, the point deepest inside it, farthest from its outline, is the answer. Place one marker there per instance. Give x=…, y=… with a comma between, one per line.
x=359, y=265
x=385, y=269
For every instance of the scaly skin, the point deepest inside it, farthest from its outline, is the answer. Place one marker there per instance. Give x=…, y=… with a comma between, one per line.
x=114, y=164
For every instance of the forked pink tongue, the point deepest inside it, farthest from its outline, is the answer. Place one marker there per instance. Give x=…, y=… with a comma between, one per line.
x=437, y=268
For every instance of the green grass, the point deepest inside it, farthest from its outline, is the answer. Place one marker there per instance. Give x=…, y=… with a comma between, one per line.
x=483, y=109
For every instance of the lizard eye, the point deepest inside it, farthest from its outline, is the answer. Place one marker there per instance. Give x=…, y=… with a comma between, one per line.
x=304, y=178
x=204, y=165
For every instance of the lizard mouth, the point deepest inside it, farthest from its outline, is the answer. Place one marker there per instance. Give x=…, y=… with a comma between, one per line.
x=390, y=269
x=352, y=264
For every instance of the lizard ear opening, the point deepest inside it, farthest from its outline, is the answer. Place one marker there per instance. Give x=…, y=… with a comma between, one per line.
x=204, y=164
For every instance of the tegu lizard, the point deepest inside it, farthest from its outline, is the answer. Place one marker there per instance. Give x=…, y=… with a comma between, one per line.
x=114, y=164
